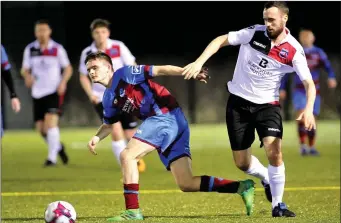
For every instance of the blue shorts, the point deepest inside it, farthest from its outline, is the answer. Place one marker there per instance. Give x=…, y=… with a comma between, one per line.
x=299, y=102
x=168, y=133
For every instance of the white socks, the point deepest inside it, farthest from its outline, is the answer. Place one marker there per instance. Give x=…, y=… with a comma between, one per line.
x=117, y=148
x=277, y=181
x=257, y=169
x=53, y=141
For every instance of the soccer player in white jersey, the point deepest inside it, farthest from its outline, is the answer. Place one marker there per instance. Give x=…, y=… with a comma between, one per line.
x=267, y=52
x=120, y=55
x=41, y=68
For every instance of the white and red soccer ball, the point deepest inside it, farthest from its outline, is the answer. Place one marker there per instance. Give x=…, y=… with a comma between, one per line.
x=60, y=212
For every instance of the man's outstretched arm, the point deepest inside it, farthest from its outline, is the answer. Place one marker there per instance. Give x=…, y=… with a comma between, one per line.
x=170, y=70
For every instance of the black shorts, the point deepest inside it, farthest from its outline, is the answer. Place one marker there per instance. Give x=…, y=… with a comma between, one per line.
x=127, y=121
x=51, y=103
x=244, y=117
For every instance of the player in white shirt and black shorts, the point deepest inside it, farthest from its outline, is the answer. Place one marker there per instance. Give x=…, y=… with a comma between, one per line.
x=267, y=52
x=120, y=56
x=43, y=62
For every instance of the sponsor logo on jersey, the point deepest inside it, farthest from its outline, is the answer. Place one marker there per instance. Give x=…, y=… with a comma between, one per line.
x=259, y=44
x=136, y=69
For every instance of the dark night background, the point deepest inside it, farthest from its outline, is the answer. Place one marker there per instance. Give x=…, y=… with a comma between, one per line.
x=161, y=30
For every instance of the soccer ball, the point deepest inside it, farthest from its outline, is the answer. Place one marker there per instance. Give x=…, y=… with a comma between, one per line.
x=60, y=212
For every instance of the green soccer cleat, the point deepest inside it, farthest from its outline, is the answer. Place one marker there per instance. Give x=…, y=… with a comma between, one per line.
x=247, y=191
x=128, y=215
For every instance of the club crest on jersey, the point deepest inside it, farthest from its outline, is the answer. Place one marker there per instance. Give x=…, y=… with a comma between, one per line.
x=113, y=51
x=284, y=53
x=136, y=69
x=122, y=92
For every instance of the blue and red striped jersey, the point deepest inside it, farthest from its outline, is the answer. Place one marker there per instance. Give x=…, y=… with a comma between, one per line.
x=316, y=59
x=132, y=91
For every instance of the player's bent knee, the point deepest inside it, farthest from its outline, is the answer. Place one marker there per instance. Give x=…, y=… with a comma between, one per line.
x=125, y=156
x=186, y=187
x=242, y=159
x=242, y=166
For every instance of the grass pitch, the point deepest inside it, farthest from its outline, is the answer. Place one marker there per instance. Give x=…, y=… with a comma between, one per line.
x=92, y=183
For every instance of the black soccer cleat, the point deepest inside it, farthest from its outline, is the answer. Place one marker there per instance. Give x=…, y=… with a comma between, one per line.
x=267, y=191
x=281, y=210
x=49, y=163
x=63, y=156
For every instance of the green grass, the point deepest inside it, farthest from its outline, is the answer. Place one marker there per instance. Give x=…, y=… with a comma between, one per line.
x=23, y=153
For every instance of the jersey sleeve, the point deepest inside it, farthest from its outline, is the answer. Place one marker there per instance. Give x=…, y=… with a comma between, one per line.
x=110, y=115
x=5, y=65
x=326, y=63
x=127, y=56
x=82, y=67
x=26, y=63
x=136, y=74
x=242, y=36
x=63, y=57
x=300, y=65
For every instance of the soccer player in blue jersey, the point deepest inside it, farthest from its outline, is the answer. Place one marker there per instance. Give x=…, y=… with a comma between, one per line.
x=164, y=128
x=7, y=77
x=316, y=59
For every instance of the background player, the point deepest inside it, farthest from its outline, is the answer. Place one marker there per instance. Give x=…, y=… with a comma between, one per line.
x=7, y=77
x=164, y=128
x=316, y=59
x=120, y=55
x=41, y=69
x=266, y=53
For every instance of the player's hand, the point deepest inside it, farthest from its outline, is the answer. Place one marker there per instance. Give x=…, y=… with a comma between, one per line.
x=308, y=119
x=29, y=80
x=61, y=88
x=94, y=99
x=332, y=83
x=15, y=104
x=92, y=144
x=192, y=70
x=282, y=94
x=203, y=75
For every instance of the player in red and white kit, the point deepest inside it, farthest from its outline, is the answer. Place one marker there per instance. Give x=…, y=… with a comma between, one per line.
x=41, y=68
x=267, y=52
x=120, y=56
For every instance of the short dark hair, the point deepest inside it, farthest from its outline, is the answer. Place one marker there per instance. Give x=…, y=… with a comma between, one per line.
x=278, y=4
x=98, y=55
x=42, y=21
x=99, y=23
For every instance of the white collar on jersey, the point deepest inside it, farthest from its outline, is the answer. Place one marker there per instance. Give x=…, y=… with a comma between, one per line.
x=94, y=48
x=286, y=38
x=49, y=44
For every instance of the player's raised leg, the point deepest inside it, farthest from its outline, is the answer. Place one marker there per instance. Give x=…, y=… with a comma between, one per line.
x=241, y=133
x=182, y=172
